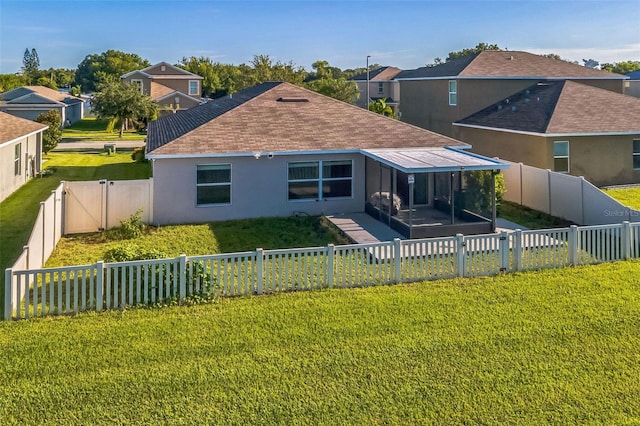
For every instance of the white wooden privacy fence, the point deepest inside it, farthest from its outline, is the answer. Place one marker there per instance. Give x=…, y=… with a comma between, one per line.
x=68, y=290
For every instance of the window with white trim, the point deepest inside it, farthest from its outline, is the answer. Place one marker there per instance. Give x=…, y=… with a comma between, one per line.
x=561, y=156
x=17, y=159
x=636, y=154
x=213, y=184
x=380, y=87
x=137, y=82
x=193, y=87
x=453, y=92
x=320, y=180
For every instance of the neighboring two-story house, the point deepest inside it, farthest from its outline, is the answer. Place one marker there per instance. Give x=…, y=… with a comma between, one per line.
x=381, y=86
x=172, y=88
x=435, y=97
x=563, y=126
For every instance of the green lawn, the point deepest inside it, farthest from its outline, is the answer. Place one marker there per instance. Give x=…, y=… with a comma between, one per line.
x=201, y=239
x=92, y=129
x=627, y=196
x=18, y=212
x=532, y=219
x=551, y=347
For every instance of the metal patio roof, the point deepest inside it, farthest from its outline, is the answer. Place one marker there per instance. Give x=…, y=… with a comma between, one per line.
x=423, y=160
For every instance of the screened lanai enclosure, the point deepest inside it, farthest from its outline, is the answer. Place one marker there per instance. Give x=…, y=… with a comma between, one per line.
x=432, y=192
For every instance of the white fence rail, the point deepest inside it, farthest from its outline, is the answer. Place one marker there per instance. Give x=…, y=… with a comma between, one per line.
x=68, y=290
x=561, y=195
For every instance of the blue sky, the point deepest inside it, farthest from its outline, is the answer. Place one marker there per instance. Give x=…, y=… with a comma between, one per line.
x=407, y=34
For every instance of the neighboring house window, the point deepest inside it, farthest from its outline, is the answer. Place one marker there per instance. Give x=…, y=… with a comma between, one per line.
x=320, y=180
x=561, y=156
x=137, y=82
x=636, y=154
x=213, y=184
x=193, y=87
x=453, y=92
x=380, y=87
x=17, y=160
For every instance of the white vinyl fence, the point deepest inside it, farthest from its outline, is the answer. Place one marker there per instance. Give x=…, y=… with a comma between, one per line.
x=561, y=195
x=45, y=234
x=99, y=286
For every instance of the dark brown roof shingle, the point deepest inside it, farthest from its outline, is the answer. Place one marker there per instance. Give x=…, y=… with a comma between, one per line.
x=12, y=127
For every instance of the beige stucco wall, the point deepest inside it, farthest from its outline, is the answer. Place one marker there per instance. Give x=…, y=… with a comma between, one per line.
x=179, y=84
x=602, y=160
x=31, y=147
x=425, y=103
x=259, y=188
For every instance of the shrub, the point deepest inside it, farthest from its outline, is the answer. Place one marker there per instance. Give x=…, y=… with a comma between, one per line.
x=129, y=252
x=130, y=228
x=138, y=155
x=52, y=136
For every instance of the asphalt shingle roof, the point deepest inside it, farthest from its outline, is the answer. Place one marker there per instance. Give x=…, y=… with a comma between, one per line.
x=562, y=107
x=379, y=74
x=12, y=127
x=492, y=63
x=272, y=118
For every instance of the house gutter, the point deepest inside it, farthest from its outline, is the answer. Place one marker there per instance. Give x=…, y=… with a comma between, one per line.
x=550, y=135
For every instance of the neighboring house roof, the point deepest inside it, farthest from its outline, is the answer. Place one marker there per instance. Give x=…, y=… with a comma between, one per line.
x=634, y=75
x=169, y=71
x=23, y=94
x=12, y=128
x=561, y=107
x=503, y=63
x=282, y=117
x=379, y=74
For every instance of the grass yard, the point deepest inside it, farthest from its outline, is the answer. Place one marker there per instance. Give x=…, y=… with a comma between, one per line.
x=532, y=219
x=550, y=347
x=627, y=196
x=93, y=129
x=18, y=212
x=200, y=239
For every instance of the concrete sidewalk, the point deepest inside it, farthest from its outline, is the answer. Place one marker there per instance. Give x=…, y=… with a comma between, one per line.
x=97, y=145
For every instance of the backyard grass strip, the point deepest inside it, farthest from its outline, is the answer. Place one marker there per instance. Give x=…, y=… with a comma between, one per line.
x=627, y=196
x=18, y=212
x=558, y=346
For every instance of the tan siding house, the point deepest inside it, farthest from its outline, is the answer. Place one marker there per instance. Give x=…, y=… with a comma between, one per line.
x=562, y=126
x=172, y=88
x=20, y=152
x=434, y=97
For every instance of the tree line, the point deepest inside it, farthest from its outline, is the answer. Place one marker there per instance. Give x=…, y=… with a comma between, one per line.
x=221, y=79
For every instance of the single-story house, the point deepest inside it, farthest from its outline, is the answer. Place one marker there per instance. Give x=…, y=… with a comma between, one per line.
x=277, y=149
x=563, y=126
x=31, y=101
x=20, y=152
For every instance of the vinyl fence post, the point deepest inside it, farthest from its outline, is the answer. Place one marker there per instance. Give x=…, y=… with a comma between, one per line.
x=99, y=284
x=259, y=269
x=331, y=252
x=183, y=276
x=397, y=259
x=573, y=245
x=626, y=240
x=517, y=249
x=504, y=251
x=8, y=275
x=460, y=254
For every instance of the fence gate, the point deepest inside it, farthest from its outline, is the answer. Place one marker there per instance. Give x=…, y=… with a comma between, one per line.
x=85, y=206
x=98, y=205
